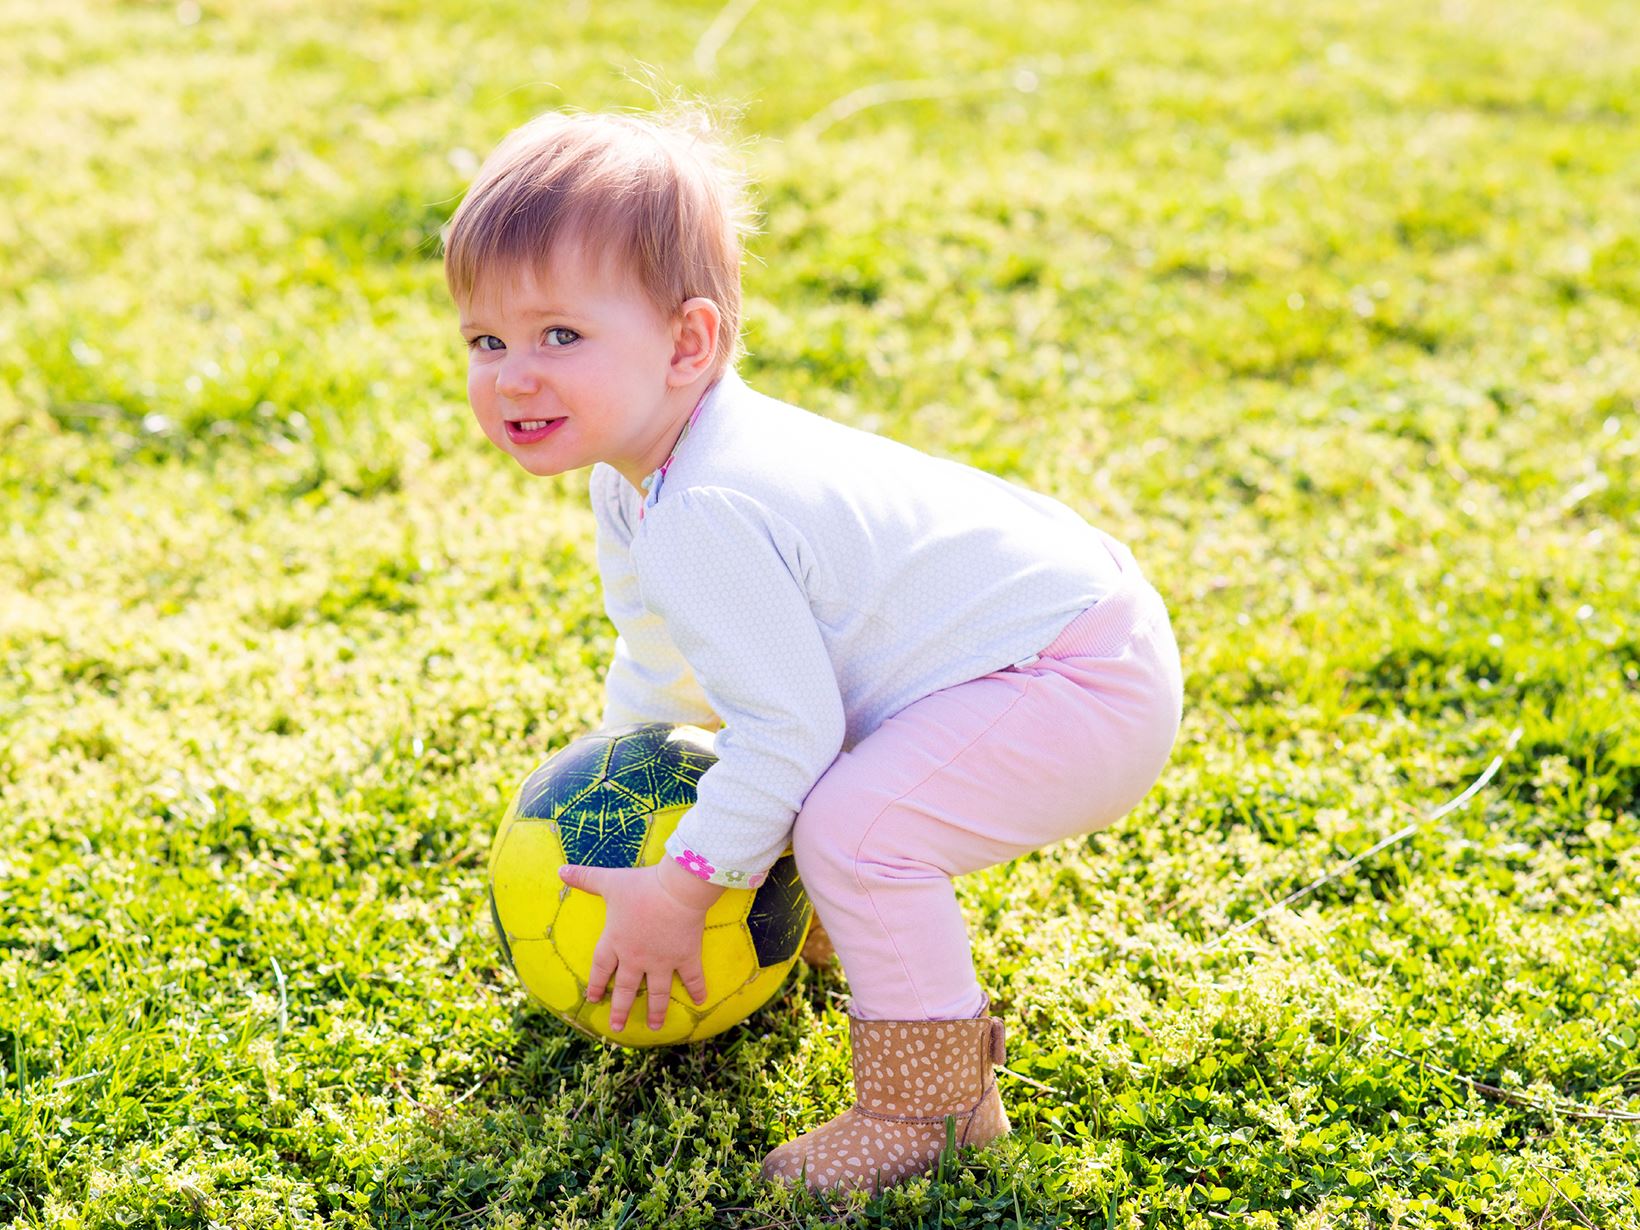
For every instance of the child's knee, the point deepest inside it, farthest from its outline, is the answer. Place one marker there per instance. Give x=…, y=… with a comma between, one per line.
x=814, y=842
x=827, y=834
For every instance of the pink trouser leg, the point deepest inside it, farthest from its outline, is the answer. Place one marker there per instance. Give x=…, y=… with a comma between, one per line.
x=972, y=776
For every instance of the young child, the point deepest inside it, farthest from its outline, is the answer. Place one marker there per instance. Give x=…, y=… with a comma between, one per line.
x=921, y=668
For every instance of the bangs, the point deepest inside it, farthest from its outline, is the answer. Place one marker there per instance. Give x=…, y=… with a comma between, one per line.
x=501, y=245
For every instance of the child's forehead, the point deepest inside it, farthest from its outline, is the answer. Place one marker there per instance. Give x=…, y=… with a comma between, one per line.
x=570, y=271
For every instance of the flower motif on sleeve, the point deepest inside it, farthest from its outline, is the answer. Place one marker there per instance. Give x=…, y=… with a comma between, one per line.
x=694, y=864
x=742, y=879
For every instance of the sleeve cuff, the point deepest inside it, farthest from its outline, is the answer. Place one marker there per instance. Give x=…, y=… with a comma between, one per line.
x=703, y=867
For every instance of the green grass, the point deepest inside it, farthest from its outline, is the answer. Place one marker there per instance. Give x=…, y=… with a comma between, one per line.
x=1331, y=310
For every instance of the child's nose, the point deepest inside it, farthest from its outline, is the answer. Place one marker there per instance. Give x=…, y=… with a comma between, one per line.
x=515, y=378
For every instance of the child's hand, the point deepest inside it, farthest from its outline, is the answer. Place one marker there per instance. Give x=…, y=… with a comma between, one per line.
x=651, y=928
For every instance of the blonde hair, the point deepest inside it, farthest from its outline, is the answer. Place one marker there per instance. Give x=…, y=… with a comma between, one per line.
x=658, y=192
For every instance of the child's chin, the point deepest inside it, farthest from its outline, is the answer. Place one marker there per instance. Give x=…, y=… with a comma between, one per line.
x=539, y=468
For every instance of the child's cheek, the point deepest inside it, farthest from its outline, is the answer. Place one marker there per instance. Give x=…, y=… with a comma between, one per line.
x=480, y=392
x=481, y=397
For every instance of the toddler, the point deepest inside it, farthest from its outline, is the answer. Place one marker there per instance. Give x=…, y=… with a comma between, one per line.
x=921, y=669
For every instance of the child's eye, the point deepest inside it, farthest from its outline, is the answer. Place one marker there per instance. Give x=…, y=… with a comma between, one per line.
x=477, y=343
x=569, y=335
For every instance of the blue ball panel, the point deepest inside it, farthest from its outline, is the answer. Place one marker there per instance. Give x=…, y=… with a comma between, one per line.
x=779, y=914
x=565, y=779
x=605, y=828
x=655, y=767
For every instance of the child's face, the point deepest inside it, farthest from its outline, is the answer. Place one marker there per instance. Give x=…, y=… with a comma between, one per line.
x=582, y=345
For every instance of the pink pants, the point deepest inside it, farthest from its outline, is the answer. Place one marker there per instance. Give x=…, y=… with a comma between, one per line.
x=975, y=775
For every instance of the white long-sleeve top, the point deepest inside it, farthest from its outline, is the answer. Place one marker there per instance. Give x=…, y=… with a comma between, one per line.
x=802, y=580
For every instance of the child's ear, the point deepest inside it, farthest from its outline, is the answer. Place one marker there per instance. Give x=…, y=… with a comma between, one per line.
x=694, y=340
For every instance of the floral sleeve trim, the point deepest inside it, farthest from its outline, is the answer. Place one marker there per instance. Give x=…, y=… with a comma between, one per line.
x=699, y=866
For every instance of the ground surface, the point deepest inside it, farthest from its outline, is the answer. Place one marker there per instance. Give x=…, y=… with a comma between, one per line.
x=1330, y=310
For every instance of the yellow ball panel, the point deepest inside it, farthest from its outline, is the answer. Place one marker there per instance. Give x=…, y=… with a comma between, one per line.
x=545, y=976
x=727, y=958
x=737, y=1007
x=730, y=910
x=576, y=930
x=526, y=880
x=500, y=839
x=661, y=826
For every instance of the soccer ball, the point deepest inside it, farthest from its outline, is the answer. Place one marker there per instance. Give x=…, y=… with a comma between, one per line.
x=611, y=799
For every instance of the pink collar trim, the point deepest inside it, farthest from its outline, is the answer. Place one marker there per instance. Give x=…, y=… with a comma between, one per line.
x=652, y=484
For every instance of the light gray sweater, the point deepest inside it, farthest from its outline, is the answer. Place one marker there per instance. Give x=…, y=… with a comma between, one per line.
x=802, y=580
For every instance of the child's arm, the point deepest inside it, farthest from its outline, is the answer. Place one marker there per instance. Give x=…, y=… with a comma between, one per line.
x=656, y=687
x=728, y=576
x=648, y=679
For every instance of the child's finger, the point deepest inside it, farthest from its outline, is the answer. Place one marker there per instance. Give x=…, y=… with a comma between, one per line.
x=620, y=999
x=587, y=879
x=694, y=981
x=660, y=987
x=603, y=965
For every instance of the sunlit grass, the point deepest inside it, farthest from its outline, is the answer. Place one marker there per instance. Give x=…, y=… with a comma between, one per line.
x=1331, y=311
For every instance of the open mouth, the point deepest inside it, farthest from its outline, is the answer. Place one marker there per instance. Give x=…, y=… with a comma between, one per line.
x=528, y=431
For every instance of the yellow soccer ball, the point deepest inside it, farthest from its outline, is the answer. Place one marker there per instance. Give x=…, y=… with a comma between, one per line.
x=611, y=799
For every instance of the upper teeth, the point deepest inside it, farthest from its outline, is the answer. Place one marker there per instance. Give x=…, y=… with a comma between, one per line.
x=533, y=424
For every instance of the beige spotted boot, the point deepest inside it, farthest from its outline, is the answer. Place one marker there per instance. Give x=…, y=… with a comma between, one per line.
x=909, y=1078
